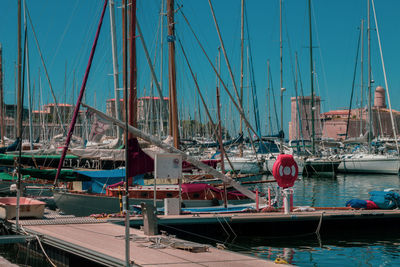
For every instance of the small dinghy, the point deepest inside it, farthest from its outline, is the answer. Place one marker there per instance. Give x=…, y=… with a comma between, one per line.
x=28, y=208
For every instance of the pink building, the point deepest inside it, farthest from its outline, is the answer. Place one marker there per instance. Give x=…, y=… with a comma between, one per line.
x=302, y=106
x=334, y=123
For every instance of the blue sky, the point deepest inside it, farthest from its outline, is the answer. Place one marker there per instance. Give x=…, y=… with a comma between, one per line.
x=66, y=30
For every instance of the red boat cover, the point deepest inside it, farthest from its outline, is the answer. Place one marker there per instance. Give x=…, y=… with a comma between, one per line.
x=139, y=162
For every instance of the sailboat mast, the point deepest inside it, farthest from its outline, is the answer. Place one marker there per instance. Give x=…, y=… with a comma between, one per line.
x=269, y=100
x=312, y=81
x=117, y=105
x=362, y=75
x=28, y=83
x=19, y=70
x=161, y=104
x=219, y=113
x=241, y=70
x=174, y=131
x=133, y=68
x=369, y=76
x=281, y=65
x=124, y=58
x=1, y=97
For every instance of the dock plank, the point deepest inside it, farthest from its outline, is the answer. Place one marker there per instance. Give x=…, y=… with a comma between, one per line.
x=108, y=240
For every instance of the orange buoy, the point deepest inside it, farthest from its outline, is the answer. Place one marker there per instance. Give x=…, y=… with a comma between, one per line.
x=285, y=170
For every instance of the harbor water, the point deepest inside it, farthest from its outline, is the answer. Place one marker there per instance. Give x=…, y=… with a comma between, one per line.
x=373, y=248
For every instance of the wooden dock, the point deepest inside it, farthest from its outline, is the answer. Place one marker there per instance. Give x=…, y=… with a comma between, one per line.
x=103, y=242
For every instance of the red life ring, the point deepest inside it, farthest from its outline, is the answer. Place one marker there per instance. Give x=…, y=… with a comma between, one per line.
x=285, y=170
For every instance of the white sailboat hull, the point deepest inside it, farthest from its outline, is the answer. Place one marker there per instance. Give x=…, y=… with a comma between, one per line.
x=370, y=164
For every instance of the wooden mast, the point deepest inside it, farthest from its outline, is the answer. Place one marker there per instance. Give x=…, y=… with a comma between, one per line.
x=173, y=111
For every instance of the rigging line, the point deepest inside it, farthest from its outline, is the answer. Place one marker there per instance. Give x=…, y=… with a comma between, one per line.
x=352, y=85
x=302, y=94
x=64, y=33
x=297, y=74
x=78, y=103
x=239, y=108
x=47, y=74
x=385, y=77
x=294, y=73
x=321, y=58
x=201, y=96
x=273, y=98
x=252, y=79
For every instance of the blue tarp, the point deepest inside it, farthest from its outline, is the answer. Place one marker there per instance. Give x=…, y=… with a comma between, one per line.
x=385, y=200
x=99, y=180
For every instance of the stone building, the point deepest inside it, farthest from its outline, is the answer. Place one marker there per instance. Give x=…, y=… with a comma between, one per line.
x=336, y=123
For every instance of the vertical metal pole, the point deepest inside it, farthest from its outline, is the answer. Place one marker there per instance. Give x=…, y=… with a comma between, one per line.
x=161, y=104
x=312, y=81
x=221, y=145
x=28, y=83
x=1, y=98
x=281, y=70
x=241, y=70
x=362, y=76
x=369, y=78
x=117, y=105
x=125, y=47
x=19, y=115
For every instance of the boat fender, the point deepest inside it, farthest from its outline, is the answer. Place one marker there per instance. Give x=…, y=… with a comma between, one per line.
x=285, y=170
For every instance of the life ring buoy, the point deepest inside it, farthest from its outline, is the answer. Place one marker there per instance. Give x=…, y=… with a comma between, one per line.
x=285, y=170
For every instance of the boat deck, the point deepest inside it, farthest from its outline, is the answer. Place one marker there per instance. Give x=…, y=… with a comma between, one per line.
x=104, y=243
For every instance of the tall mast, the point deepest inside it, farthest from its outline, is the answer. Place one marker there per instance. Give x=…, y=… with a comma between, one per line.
x=133, y=68
x=269, y=99
x=1, y=97
x=362, y=75
x=117, y=105
x=221, y=145
x=124, y=58
x=281, y=68
x=369, y=77
x=28, y=83
x=161, y=104
x=312, y=82
x=241, y=70
x=174, y=131
x=19, y=99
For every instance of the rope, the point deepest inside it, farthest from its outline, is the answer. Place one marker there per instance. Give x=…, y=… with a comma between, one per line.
x=229, y=226
x=319, y=224
x=384, y=75
x=222, y=226
x=41, y=246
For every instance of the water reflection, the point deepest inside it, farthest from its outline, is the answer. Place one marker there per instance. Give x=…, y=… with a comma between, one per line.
x=377, y=247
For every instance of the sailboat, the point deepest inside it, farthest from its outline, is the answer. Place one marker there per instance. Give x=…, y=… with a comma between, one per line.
x=80, y=201
x=367, y=162
x=316, y=165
